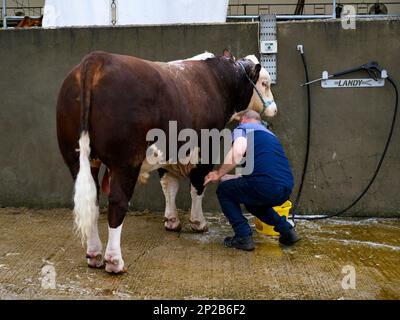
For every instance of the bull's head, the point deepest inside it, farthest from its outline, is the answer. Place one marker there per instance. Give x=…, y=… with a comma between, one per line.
x=262, y=99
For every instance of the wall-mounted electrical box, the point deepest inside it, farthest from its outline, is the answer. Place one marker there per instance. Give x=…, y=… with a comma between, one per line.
x=269, y=46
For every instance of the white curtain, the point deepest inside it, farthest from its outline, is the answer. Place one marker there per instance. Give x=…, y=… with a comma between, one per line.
x=171, y=11
x=64, y=13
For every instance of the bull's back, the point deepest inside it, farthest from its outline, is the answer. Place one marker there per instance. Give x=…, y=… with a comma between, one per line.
x=130, y=96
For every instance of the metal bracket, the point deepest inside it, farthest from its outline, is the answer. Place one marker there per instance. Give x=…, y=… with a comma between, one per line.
x=113, y=12
x=352, y=83
x=268, y=44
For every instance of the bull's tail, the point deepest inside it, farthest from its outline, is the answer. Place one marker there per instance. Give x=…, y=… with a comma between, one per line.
x=86, y=210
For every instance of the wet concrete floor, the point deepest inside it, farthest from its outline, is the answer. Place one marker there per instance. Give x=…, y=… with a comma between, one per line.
x=186, y=265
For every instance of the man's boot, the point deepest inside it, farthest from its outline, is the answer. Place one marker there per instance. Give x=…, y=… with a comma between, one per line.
x=242, y=243
x=289, y=238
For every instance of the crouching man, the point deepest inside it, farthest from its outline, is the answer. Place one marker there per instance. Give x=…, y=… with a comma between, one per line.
x=268, y=185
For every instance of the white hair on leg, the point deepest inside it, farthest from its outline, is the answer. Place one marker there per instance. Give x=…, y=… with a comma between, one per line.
x=113, y=255
x=197, y=220
x=86, y=210
x=94, y=252
x=170, y=187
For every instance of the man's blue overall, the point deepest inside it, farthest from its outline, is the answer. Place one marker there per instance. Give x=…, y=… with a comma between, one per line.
x=270, y=183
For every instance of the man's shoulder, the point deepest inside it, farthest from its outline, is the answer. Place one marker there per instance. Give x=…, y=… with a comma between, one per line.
x=239, y=132
x=256, y=127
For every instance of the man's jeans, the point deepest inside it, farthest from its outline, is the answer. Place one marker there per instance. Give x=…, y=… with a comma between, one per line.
x=258, y=199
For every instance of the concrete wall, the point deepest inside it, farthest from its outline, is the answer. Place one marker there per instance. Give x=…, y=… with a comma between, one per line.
x=348, y=131
x=33, y=64
x=349, y=126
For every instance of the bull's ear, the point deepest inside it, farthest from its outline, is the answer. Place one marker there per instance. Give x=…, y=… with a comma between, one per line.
x=255, y=72
x=228, y=54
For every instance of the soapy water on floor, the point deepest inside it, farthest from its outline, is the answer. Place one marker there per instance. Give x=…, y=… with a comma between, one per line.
x=192, y=265
x=221, y=228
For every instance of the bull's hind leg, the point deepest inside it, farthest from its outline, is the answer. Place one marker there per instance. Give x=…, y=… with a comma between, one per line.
x=94, y=251
x=170, y=187
x=197, y=221
x=123, y=182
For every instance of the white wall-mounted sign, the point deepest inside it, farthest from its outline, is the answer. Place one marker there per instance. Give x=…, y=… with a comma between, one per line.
x=352, y=83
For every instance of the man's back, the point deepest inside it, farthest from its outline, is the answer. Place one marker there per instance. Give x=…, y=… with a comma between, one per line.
x=271, y=165
x=268, y=185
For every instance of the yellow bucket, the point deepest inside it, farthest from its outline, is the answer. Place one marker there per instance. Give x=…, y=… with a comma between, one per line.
x=282, y=210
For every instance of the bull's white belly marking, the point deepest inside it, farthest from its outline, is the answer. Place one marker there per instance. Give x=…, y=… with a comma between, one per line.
x=154, y=161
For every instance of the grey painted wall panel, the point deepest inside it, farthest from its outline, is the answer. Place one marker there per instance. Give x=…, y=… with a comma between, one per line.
x=348, y=131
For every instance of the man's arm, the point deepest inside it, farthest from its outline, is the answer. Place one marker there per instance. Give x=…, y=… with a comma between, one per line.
x=232, y=159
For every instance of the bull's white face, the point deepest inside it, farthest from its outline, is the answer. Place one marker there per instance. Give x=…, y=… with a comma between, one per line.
x=264, y=87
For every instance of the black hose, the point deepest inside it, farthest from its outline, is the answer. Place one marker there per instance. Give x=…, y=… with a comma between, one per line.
x=308, y=147
x=297, y=200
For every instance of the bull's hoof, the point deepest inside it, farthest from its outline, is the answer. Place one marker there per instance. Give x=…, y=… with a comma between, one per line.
x=95, y=260
x=115, y=265
x=173, y=224
x=198, y=226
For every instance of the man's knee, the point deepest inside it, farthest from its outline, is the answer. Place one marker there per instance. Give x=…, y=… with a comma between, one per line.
x=221, y=189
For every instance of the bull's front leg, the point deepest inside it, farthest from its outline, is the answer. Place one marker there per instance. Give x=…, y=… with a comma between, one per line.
x=197, y=221
x=170, y=187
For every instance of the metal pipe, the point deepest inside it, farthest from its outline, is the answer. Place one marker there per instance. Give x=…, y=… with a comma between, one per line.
x=21, y=17
x=4, y=14
x=334, y=9
x=242, y=17
x=376, y=16
x=311, y=17
x=283, y=17
x=303, y=17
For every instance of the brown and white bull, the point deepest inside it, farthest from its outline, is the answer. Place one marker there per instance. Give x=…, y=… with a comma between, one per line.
x=107, y=105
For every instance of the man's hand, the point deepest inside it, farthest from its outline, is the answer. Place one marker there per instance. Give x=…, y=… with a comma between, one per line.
x=213, y=177
x=232, y=159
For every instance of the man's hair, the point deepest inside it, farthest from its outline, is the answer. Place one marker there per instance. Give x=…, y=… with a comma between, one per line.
x=250, y=114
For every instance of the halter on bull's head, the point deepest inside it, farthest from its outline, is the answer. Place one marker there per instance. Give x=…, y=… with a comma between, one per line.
x=262, y=99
